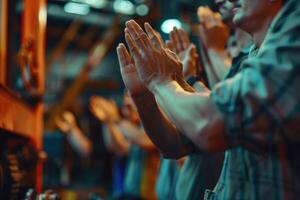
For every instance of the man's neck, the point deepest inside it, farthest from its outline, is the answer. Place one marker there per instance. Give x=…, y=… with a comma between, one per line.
x=259, y=36
x=243, y=39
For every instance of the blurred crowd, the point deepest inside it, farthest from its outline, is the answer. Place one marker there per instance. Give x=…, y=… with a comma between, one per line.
x=215, y=122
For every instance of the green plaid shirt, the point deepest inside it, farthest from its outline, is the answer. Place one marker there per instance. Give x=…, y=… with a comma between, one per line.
x=261, y=108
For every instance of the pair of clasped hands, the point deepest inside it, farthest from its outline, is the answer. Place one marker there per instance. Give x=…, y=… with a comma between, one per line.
x=148, y=60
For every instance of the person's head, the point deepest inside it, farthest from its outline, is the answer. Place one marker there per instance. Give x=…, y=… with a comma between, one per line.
x=254, y=15
x=226, y=10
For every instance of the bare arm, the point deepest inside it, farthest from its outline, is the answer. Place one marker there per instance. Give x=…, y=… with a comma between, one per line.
x=218, y=66
x=193, y=114
x=118, y=143
x=160, y=130
x=136, y=135
x=79, y=141
x=67, y=124
x=213, y=35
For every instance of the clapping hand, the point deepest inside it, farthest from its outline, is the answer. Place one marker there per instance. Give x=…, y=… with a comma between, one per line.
x=104, y=110
x=179, y=43
x=213, y=32
x=152, y=60
x=66, y=122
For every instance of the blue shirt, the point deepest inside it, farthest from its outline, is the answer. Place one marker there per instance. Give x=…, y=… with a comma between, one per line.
x=261, y=109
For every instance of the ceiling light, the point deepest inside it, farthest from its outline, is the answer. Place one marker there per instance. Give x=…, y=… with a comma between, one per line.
x=77, y=8
x=124, y=7
x=168, y=25
x=142, y=10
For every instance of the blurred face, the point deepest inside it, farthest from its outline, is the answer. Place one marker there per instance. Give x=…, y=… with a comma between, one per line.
x=249, y=15
x=225, y=9
x=129, y=109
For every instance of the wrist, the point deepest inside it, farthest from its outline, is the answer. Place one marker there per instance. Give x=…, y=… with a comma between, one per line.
x=70, y=130
x=114, y=120
x=157, y=82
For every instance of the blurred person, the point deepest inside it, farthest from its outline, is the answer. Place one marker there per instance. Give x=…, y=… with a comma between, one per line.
x=245, y=114
x=79, y=142
x=231, y=46
x=238, y=39
x=114, y=141
x=128, y=138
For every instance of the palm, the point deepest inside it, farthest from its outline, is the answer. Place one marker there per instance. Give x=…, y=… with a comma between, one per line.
x=129, y=73
x=99, y=113
x=132, y=82
x=188, y=58
x=185, y=57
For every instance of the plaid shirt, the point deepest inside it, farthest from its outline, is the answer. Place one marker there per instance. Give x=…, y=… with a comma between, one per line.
x=261, y=109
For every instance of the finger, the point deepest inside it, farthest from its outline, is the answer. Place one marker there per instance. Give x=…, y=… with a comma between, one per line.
x=132, y=47
x=133, y=30
x=170, y=45
x=172, y=54
x=136, y=39
x=135, y=27
x=153, y=36
x=138, y=35
x=174, y=41
x=210, y=18
x=206, y=17
x=123, y=55
x=184, y=37
x=194, y=52
x=218, y=17
x=179, y=43
x=201, y=14
x=126, y=54
x=160, y=38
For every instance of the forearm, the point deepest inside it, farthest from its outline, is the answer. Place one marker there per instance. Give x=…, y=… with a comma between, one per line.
x=160, y=130
x=79, y=141
x=193, y=114
x=136, y=135
x=143, y=141
x=220, y=63
x=119, y=143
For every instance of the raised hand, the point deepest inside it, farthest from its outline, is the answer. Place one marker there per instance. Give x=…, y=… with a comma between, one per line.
x=95, y=105
x=213, y=32
x=66, y=122
x=129, y=73
x=105, y=110
x=180, y=43
x=112, y=110
x=152, y=60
